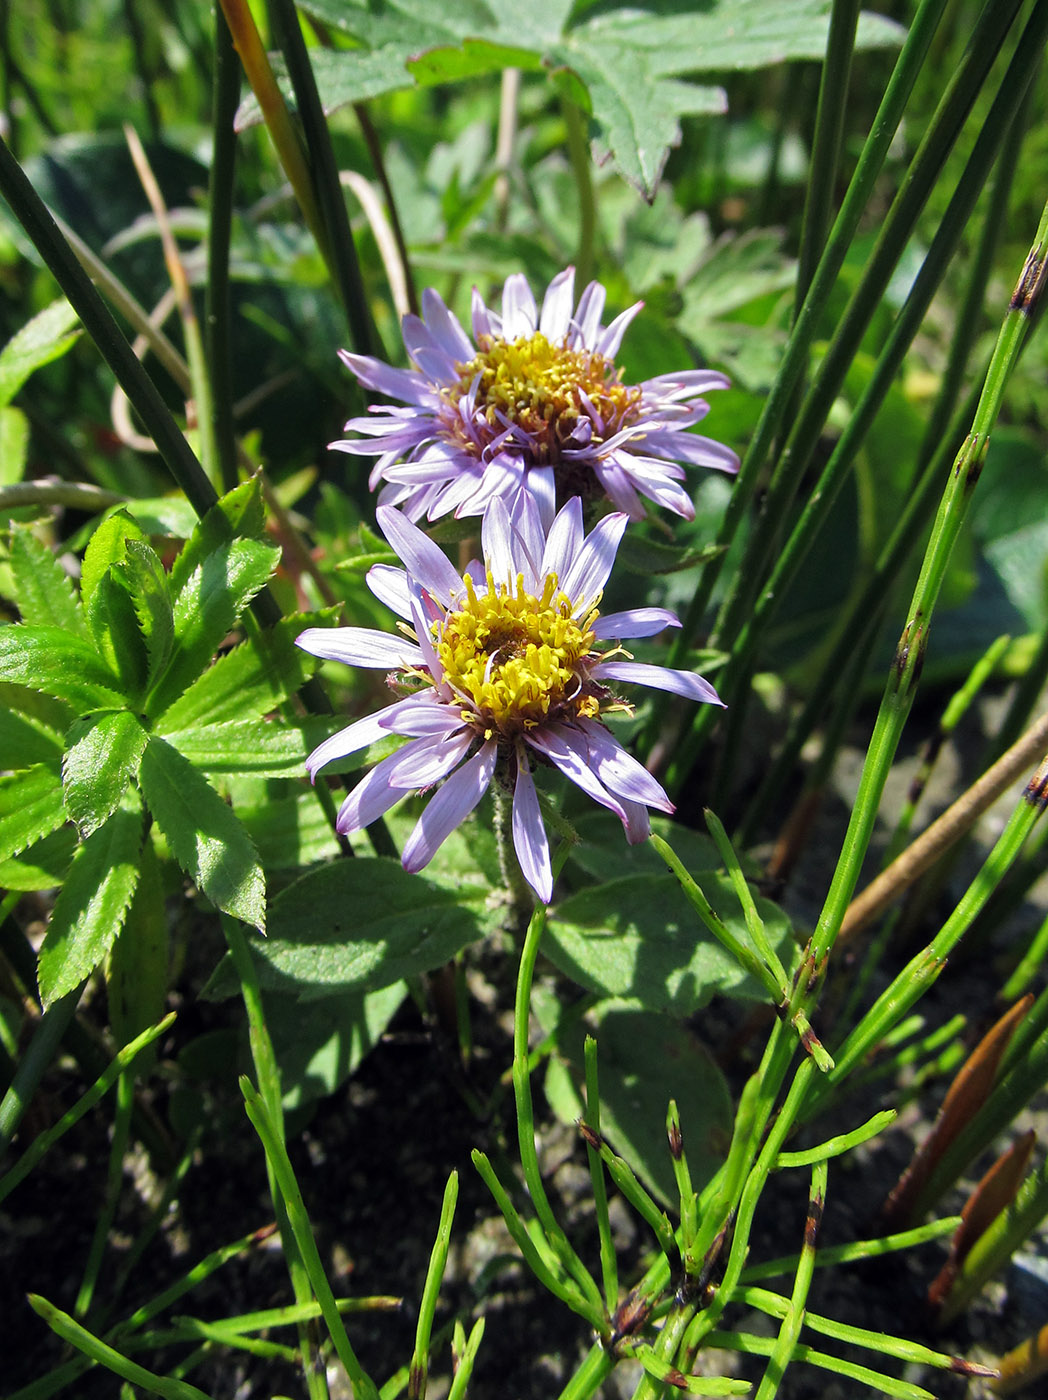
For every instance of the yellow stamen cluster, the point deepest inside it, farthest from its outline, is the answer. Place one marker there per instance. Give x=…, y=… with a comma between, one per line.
x=535, y=384
x=516, y=659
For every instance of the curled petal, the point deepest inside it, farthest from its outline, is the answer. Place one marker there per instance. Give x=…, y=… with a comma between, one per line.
x=529, y=835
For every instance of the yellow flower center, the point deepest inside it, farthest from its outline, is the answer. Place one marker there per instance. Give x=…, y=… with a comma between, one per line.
x=516, y=659
x=537, y=386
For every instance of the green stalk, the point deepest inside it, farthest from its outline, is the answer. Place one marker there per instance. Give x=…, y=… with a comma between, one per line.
x=794, y=1315
x=608, y=1260
x=327, y=188
x=218, y=312
x=835, y=1146
x=751, y=1345
x=35, y=1063
x=464, y=1362
x=438, y=1261
x=795, y=355
x=276, y=1155
x=909, y=657
x=125, y=1098
x=855, y=1252
x=582, y=169
x=590, y=1376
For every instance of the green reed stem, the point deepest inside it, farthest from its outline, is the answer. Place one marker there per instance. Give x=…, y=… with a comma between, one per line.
x=125, y=1098
x=856, y=1252
x=590, y=1376
x=464, y=1362
x=582, y=170
x=438, y=1261
x=793, y=1316
x=752, y=1345
x=909, y=656
x=608, y=1260
x=844, y=1142
x=218, y=306
x=35, y=1063
x=44, y=1141
x=795, y=355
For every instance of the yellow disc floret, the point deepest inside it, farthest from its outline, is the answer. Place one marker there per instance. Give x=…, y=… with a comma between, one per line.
x=537, y=386
x=515, y=659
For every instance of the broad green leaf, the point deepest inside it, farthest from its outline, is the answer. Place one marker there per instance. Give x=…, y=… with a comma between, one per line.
x=205, y=837
x=60, y=664
x=41, y=340
x=317, y=1053
x=269, y=748
x=30, y=807
x=44, y=591
x=249, y=681
x=92, y=905
x=25, y=740
x=369, y=924
x=104, y=757
x=639, y=937
x=137, y=972
x=43, y=866
x=604, y=853
x=143, y=576
x=14, y=445
x=649, y=556
x=208, y=605
x=107, y=546
x=644, y=1060
x=290, y=832
x=238, y=513
x=113, y=625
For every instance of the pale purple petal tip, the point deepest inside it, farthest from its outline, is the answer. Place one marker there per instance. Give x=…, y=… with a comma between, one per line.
x=529, y=835
x=449, y=807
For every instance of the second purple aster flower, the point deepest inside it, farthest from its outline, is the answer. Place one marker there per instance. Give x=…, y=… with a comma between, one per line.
x=533, y=402
x=500, y=670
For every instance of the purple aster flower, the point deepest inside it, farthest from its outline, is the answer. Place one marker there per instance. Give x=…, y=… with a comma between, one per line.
x=499, y=672
x=533, y=401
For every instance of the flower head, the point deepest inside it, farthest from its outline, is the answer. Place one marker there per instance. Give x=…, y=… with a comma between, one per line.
x=501, y=670
x=534, y=401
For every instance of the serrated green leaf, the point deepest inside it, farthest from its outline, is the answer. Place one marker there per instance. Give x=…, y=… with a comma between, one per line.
x=14, y=445
x=25, y=740
x=103, y=759
x=42, y=866
x=645, y=1059
x=137, y=971
x=370, y=923
x=239, y=512
x=268, y=748
x=249, y=681
x=43, y=339
x=204, y=835
x=114, y=629
x=60, y=664
x=43, y=590
x=92, y=904
x=143, y=576
x=106, y=546
x=208, y=605
x=639, y=937
x=30, y=807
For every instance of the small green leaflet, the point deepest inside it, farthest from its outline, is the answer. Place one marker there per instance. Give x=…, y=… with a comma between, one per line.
x=41, y=340
x=99, y=766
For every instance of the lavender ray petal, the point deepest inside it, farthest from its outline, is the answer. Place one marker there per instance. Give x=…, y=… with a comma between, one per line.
x=370, y=799
x=564, y=540
x=617, y=484
x=611, y=339
x=556, y=306
x=421, y=622
x=428, y=760
x=593, y=564
x=485, y=322
x=420, y=717
x=390, y=586
x=449, y=807
x=586, y=329
x=529, y=538
x=694, y=381
x=634, y=622
x=496, y=536
x=541, y=485
x=426, y=562
x=360, y=646
x=355, y=736
x=446, y=327
x=529, y=835
x=618, y=770
x=519, y=313
x=685, y=683
x=637, y=823
x=405, y=384
x=567, y=749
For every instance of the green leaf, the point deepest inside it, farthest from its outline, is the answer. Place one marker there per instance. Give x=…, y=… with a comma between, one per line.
x=647, y=556
x=645, y=1059
x=43, y=866
x=238, y=513
x=205, y=837
x=639, y=937
x=14, y=445
x=268, y=748
x=25, y=740
x=142, y=574
x=104, y=758
x=317, y=1053
x=251, y=680
x=113, y=625
x=41, y=340
x=370, y=924
x=43, y=590
x=58, y=663
x=290, y=832
x=107, y=546
x=92, y=905
x=209, y=603
x=137, y=973
x=604, y=853
x=30, y=807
